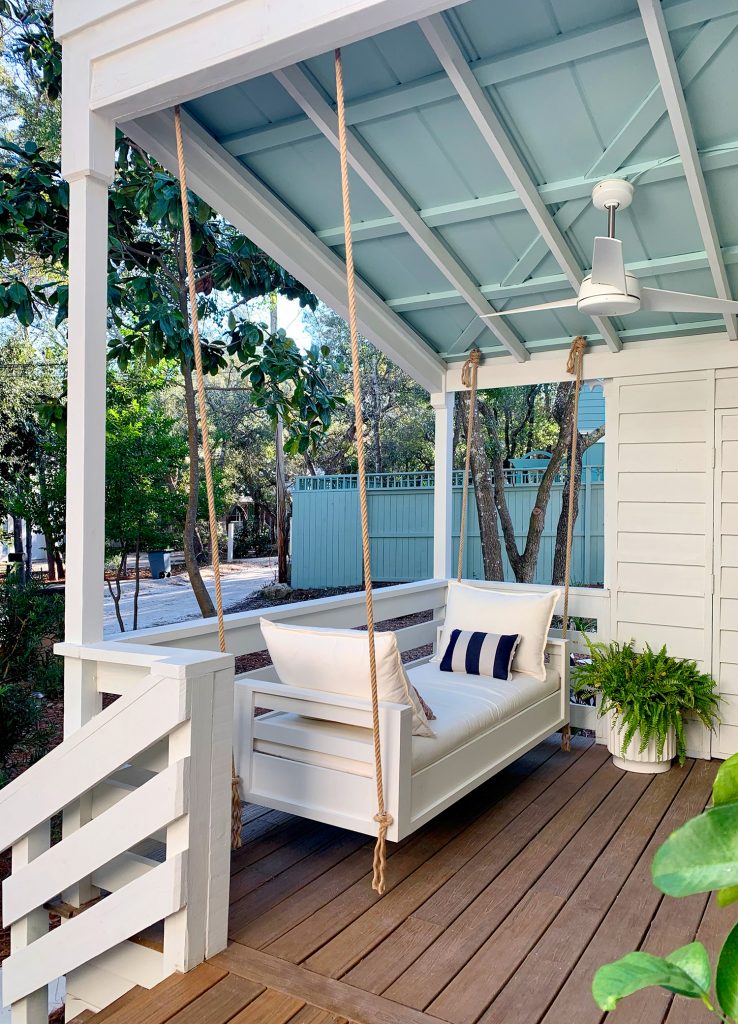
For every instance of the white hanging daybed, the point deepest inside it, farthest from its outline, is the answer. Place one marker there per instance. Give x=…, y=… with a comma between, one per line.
x=312, y=753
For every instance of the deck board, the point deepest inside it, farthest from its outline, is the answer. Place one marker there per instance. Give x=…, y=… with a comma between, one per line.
x=498, y=912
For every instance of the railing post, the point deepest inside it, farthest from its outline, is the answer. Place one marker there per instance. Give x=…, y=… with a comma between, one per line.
x=200, y=928
x=34, y=1009
x=87, y=164
x=443, y=404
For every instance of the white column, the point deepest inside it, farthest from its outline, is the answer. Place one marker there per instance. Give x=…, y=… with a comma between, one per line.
x=88, y=148
x=87, y=164
x=443, y=403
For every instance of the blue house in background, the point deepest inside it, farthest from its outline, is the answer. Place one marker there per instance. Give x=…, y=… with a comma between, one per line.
x=592, y=416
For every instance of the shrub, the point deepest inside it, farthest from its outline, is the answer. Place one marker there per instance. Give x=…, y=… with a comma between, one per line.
x=31, y=621
x=19, y=721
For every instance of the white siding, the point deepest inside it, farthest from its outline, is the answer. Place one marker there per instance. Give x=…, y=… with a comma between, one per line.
x=659, y=515
x=725, y=602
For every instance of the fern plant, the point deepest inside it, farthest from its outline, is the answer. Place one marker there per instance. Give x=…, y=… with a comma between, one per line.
x=649, y=691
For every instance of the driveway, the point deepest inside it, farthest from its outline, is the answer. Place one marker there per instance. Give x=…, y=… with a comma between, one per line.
x=161, y=602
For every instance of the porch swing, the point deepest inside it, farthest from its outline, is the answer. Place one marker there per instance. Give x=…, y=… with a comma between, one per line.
x=430, y=732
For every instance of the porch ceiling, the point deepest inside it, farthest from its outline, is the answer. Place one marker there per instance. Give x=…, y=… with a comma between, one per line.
x=569, y=95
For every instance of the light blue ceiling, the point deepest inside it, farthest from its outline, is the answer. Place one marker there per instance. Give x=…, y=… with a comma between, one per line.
x=574, y=84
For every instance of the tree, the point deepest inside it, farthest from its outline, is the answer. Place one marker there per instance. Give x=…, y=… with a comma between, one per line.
x=397, y=416
x=144, y=507
x=512, y=422
x=147, y=292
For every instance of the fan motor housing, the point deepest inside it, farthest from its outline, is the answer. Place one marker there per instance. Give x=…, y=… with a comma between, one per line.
x=607, y=300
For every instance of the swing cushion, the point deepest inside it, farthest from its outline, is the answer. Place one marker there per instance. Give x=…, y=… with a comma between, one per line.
x=337, y=661
x=478, y=608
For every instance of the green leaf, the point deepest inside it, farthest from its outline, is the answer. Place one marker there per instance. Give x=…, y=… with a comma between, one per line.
x=637, y=971
x=700, y=856
x=725, y=786
x=727, y=896
x=726, y=976
x=695, y=962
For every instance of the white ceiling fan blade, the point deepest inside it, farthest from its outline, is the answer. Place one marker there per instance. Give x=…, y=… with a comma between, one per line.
x=607, y=263
x=531, y=309
x=659, y=300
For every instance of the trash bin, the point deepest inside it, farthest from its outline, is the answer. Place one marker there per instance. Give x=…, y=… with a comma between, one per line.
x=160, y=564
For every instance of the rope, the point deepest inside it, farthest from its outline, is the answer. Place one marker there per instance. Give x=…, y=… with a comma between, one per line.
x=469, y=380
x=573, y=366
x=382, y=817
x=202, y=409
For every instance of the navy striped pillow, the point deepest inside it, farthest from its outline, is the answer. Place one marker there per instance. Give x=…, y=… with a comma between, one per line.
x=480, y=654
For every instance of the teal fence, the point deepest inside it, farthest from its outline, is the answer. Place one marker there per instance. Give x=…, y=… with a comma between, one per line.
x=326, y=535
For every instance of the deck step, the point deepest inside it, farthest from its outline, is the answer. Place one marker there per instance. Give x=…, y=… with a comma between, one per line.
x=151, y=937
x=66, y=911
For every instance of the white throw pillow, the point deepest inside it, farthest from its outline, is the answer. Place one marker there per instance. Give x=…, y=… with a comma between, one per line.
x=337, y=661
x=471, y=607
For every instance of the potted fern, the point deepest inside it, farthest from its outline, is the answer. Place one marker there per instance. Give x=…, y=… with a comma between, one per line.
x=645, y=696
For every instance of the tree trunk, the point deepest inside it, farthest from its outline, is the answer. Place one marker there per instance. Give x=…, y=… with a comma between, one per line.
x=18, y=550
x=377, y=400
x=115, y=594
x=584, y=442
x=484, y=497
x=29, y=549
x=204, y=601
x=137, y=589
x=524, y=563
x=280, y=479
x=50, y=557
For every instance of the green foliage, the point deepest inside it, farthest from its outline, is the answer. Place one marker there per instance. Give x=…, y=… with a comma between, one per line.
x=31, y=621
x=649, y=691
x=699, y=857
x=144, y=501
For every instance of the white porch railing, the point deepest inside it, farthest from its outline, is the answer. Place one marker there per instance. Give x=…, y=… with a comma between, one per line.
x=155, y=769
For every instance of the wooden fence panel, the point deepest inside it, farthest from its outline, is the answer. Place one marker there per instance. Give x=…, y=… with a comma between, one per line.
x=326, y=539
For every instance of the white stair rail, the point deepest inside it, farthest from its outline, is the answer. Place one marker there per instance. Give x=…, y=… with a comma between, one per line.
x=156, y=764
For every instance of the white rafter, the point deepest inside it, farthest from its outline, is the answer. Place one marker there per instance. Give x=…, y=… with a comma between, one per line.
x=476, y=102
x=369, y=169
x=240, y=197
x=663, y=57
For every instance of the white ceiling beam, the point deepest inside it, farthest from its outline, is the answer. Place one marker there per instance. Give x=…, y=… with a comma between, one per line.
x=367, y=166
x=657, y=34
x=493, y=132
x=699, y=354
x=244, y=201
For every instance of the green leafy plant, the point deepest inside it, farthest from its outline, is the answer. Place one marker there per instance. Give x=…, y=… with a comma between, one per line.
x=649, y=691
x=701, y=856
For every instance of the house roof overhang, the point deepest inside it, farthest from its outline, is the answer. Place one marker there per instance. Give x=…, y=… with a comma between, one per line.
x=477, y=132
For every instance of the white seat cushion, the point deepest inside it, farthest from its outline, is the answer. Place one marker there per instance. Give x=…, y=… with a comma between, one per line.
x=465, y=707
x=471, y=606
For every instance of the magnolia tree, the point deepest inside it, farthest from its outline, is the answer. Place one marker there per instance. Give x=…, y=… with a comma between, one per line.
x=147, y=286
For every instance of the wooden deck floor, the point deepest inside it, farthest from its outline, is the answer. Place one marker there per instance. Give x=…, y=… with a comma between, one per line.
x=498, y=912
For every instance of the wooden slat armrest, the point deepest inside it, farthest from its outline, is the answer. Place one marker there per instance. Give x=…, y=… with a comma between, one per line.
x=284, y=692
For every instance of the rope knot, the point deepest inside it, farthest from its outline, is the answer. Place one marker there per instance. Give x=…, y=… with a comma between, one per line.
x=384, y=820
x=472, y=360
x=575, y=353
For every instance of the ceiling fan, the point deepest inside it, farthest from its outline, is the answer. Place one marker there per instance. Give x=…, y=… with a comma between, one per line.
x=609, y=290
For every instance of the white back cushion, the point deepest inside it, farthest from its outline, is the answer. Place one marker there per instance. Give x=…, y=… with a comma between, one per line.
x=337, y=661
x=472, y=607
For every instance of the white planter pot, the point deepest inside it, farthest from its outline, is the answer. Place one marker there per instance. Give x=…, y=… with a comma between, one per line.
x=645, y=761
